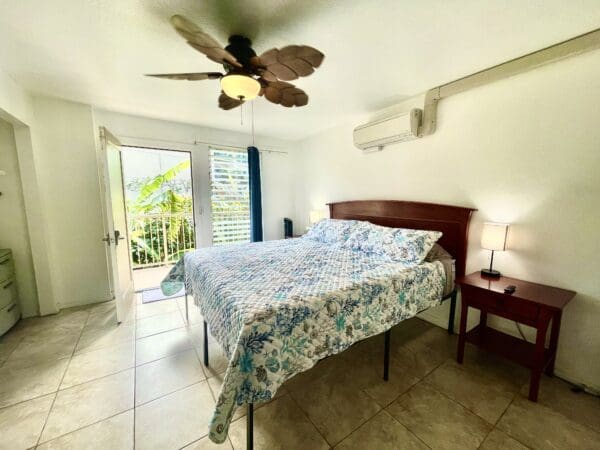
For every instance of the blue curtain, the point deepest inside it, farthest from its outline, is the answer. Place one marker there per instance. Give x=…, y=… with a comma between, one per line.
x=256, y=228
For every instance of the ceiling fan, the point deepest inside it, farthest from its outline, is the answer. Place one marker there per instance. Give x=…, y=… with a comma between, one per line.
x=246, y=74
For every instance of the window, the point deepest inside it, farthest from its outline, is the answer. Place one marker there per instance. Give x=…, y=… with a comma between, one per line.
x=230, y=196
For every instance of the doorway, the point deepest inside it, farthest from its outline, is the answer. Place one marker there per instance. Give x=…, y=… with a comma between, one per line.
x=160, y=214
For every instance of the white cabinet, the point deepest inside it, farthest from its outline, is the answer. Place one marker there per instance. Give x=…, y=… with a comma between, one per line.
x=9, y=304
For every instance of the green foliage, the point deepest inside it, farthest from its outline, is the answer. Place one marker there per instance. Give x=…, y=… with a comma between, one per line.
x=160, y=219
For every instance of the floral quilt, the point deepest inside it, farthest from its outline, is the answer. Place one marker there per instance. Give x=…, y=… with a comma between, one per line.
x=278, y=307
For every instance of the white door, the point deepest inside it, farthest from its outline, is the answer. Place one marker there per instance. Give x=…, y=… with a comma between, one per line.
x=117, y=241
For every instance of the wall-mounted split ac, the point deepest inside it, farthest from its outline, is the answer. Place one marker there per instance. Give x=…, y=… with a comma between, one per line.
x=419, y=123
x=374, y=136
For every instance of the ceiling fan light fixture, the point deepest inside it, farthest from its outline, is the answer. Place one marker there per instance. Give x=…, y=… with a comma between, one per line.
x=240, y=87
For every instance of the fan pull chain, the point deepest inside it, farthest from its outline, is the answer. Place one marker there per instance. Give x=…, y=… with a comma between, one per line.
x=241, y=114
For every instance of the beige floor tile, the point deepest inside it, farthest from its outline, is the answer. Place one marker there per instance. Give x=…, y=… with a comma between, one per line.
x=540, y=427
x=94, y=364
x=18, y=384
x=175, y=420
x=367, y=374
x=95, y=338
x=579, y=407
x=146, y=310
x=21, y=424
x=158, y=324
x=334, y=402
x=88, y=403
x=382, y=432
x=415, y=353
x=499, y=369
x=115, y=433
x=109, y=319
x=437, y=420
x=498, y=440
x=160, y=345
x=217, y=361
x=279, y=425
x=194, y=315
x=8, y=342
x=67, y=322
x=99, y=308
x=166, y=375
x=206, y=444
x=470, y=387
x=34, y=351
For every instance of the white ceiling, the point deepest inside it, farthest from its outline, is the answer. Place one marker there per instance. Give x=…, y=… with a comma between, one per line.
x=377, y=52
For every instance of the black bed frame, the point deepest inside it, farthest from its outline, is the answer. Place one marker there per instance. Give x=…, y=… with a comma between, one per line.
x=452, y=221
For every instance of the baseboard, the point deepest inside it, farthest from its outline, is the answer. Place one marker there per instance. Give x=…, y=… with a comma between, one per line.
x=62, y=306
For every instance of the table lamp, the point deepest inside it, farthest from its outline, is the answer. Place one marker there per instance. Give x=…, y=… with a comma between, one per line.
x=493, y=237
x=315, y=216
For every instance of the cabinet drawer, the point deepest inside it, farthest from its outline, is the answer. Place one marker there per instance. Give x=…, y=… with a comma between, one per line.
x=9, y=315
x=8, y=292
x=500, y=304
x=6, y=267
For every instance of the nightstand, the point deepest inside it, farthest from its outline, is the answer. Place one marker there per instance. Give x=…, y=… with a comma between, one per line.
x=532, y=304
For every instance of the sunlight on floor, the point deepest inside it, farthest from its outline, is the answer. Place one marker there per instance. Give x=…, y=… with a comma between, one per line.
x=150, y=277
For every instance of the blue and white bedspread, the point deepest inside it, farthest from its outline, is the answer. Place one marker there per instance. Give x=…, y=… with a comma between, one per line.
x=278, y=307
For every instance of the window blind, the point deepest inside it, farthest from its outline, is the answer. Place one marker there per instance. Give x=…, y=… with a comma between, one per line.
x=230, y=196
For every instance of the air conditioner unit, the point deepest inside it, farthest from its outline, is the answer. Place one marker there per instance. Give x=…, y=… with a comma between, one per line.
x=374, y=136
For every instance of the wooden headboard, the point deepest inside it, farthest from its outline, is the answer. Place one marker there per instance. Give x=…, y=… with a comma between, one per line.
x=452, y=221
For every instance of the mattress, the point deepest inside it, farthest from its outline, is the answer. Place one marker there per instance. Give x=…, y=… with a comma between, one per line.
x=278, y=307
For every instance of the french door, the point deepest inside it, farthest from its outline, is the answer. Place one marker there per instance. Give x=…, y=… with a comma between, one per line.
x=116, y=239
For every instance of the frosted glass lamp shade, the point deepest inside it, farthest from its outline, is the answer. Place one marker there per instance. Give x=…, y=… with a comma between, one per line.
x=494, y=235
x=315, y=215
x=240, y=87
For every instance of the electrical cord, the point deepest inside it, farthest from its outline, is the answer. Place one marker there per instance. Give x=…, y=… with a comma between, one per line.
x=521, y=331
x=576, y=388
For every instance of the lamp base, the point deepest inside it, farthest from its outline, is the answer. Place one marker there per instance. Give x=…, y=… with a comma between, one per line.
x=490, y=273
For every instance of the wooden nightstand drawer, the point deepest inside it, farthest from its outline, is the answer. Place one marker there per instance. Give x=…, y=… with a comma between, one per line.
x=499, y=304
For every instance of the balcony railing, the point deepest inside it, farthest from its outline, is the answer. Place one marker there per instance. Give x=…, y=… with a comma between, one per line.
x=158, y=239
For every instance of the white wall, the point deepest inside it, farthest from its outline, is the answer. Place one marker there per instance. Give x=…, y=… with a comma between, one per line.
x=277, y=168
x=16, y=108
x=14, y=233
x=70, y=191
x=525, y=150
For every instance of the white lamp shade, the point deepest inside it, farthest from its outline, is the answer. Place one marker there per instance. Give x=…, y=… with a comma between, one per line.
x=316, y=215
x=240, y=86
x=494, y=235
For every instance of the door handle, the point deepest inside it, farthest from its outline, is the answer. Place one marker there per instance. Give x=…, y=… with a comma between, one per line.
x=118, y=237
x=107, y=239
x=7, y=285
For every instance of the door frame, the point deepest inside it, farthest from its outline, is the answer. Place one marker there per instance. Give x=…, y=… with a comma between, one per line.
x=154, y=148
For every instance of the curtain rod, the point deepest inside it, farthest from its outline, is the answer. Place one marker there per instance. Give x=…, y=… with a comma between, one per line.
x=198, y=142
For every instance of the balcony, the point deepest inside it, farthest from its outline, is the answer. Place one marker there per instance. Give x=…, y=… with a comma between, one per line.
x=160, y=239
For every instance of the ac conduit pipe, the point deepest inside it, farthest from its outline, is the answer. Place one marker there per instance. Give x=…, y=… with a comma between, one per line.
x=574, y=46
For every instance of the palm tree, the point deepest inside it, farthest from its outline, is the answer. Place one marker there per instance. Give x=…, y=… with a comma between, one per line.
x=151, y=236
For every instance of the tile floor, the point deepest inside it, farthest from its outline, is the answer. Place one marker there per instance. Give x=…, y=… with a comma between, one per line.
x=77, y=381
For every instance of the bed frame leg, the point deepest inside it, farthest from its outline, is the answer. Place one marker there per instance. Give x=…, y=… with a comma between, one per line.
x=187, y=319
x=205, y=344
x=386, y=355
x=250, y=427
x=452, y=312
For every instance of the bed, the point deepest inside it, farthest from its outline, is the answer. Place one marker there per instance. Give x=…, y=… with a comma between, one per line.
x=278, y=307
